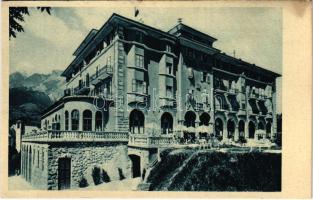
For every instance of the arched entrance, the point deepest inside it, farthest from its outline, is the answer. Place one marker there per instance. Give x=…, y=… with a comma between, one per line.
x=230, y=128
x=166, y=123
x=241, y=128
x=190, y=118
x=136, y=172
x=204, y=119
x=268, y=129
x=136, y=122
x=190, y=121
x=251, y=129
x=218, y=127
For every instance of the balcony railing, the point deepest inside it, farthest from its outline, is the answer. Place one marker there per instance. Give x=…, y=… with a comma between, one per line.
x=76, y=136
x=142, y=140
x=107, y=70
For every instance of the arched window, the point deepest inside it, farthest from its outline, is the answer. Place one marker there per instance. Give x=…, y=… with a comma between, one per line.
x=66, y=120
x=167, y=123
x=87, y=120
x=75, y=120
x=136, y=122
x=98, y=121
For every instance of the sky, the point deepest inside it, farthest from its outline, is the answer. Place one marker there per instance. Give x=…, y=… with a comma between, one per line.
x=255, y=34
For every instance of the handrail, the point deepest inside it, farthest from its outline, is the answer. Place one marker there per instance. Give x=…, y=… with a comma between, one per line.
x=61, y=136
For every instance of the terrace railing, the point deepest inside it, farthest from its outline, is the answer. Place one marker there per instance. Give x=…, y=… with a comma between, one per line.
x=76, y=136
x=143, y=140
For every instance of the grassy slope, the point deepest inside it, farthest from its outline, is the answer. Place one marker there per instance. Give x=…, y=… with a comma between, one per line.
x=215, y=171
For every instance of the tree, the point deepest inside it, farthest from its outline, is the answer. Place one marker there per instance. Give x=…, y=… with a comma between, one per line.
x=16, y=15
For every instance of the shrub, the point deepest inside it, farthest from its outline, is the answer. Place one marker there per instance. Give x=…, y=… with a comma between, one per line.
x=105, y=176
x=120, y=173
x=96, y=175
x=83, y=182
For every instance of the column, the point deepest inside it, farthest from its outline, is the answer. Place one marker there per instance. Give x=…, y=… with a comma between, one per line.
x=274, y=124
x=225, y=134
x=236, y=133
x=247, y=129
x=80, y=127
x=93, y=121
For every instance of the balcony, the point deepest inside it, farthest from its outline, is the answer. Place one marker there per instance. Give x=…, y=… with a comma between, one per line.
x=134, y=97
x=167, y=102
x=103, y=73
x=76, y=136
x=82, y=89
x=148, y=141
x=229, y=92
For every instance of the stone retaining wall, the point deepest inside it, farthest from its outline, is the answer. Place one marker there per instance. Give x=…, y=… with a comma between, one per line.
x=84, y=157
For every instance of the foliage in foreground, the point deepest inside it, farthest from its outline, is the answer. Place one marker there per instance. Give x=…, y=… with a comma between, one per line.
x=216, y=171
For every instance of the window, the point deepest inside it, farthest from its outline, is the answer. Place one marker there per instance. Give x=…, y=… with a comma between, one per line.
x=109, y=61
x=204, y=76
x=97, y=71
x=66, y=120
x=139, y=86
x=42, y=159
x=168, y=48
x=169, y=91
x=87, y=120
x=38, y=158
x=87, y=80
x=243, y=105
x=75, y=120
x=139, y=61
x=98, y=121
x=169, y=68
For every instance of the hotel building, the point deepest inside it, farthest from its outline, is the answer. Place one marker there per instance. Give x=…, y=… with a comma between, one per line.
x=132, y=90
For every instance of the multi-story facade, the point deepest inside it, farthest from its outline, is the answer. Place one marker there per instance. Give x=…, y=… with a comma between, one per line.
x=133, y=89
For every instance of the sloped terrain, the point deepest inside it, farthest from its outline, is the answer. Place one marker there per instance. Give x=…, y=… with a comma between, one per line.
x=217, y=171
x=30, y=95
